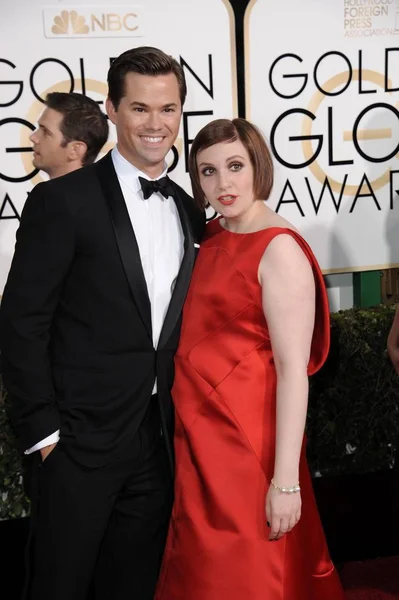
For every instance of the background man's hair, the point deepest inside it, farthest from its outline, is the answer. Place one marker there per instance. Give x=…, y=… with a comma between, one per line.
x=83, y=121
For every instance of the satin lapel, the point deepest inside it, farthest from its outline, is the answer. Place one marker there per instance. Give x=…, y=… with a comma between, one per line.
x=184, y=276
x=125, y=237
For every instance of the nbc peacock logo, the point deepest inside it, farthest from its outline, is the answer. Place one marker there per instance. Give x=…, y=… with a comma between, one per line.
x=69, y=21
x=92, y=21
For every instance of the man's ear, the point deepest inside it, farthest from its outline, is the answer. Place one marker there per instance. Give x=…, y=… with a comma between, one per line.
x=77, y=151
x=111, y=111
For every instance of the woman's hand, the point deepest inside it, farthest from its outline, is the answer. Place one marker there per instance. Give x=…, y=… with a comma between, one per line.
x=283, y=512
x=393, y=353
x=393, y=341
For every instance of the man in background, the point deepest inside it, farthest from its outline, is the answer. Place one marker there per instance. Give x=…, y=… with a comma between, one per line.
x=71, y=132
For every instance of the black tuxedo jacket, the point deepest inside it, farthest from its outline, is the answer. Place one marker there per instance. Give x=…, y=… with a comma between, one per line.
x=75, y=320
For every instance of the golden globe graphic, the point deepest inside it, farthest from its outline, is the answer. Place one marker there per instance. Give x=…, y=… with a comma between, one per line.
x=355, y=134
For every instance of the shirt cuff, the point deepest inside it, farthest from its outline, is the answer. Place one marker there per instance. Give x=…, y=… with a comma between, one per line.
x=50, y=439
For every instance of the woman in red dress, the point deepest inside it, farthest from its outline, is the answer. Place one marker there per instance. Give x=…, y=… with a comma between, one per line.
x=245, y=525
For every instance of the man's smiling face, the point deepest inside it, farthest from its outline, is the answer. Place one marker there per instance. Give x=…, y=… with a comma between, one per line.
x=147, y=120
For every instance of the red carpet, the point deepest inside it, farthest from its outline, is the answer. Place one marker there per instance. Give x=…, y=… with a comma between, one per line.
x=371, y=580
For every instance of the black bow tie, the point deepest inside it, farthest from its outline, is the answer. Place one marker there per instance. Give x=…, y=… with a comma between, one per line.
x=163, y=186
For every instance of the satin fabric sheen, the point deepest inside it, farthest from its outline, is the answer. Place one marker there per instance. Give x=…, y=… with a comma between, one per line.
x=225, y=400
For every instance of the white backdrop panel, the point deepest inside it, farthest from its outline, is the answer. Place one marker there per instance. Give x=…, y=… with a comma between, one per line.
x=322, y=82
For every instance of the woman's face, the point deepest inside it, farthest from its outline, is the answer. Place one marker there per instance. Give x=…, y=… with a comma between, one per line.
x=226, y=177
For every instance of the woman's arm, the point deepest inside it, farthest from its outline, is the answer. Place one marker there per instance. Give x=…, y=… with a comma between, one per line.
x=288, y=296
x=393, y=341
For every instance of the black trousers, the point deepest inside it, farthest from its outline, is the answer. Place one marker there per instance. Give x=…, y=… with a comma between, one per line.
x=101, y=529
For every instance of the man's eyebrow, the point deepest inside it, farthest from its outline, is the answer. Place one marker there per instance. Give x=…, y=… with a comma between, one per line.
x=44, y=127
x=136, y=103
x=144, y=105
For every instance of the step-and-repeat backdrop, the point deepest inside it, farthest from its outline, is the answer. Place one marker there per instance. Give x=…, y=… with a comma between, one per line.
x=321, y=81
x=68, y=46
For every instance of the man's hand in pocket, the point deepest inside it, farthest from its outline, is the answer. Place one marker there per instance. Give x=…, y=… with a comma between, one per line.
x=46, y=451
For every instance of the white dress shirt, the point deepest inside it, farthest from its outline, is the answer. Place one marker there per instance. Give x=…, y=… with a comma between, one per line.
x=160, y=239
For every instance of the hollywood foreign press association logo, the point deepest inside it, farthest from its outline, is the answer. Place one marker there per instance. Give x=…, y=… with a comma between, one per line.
x=69, y=21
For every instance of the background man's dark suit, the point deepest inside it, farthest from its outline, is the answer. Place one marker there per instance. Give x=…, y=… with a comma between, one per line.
x=93, y=383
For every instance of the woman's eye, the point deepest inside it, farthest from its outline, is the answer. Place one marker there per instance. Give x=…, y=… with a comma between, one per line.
x=236, y=166
x=208, y=171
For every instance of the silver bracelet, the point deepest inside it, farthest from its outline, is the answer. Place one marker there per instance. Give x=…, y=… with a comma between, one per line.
x=286, y=490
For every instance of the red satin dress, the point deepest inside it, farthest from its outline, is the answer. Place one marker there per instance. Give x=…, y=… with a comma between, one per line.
x=225, y=399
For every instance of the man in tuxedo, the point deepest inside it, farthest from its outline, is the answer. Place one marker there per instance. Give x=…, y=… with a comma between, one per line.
x=71, y=131
x=90, y=322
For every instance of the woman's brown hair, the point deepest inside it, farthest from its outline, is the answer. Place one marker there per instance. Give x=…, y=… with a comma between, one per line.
x=225, y=130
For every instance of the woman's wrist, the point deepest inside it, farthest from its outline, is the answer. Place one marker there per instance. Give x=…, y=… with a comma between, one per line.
x=292, y=488
x=286, y=478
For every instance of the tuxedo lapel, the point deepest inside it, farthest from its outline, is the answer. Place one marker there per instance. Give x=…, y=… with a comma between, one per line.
x=125, y=237
x=184, y=276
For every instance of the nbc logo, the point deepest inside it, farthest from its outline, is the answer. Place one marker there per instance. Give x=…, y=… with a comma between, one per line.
x=93, y=21
x=69, y=22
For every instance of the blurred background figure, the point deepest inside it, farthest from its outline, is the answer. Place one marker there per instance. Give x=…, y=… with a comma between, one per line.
x=71, y=132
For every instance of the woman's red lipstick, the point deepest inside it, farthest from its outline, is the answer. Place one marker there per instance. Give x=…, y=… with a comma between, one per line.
x=227, y=199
